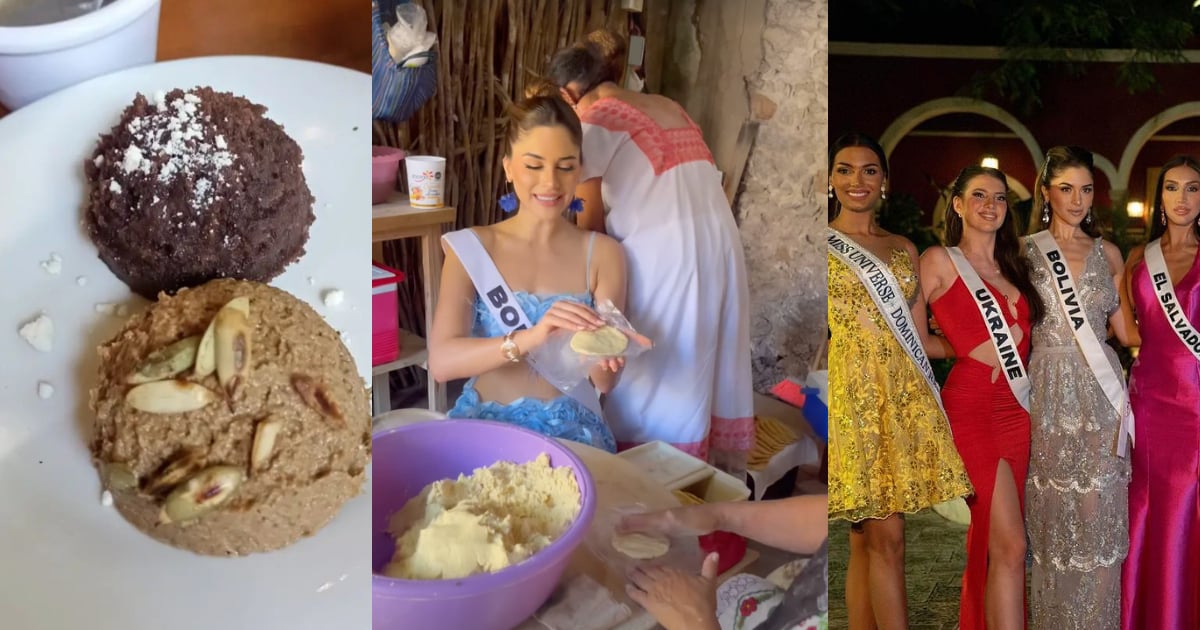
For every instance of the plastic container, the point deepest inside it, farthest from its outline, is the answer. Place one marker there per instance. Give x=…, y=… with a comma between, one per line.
x=816, y=413
x=38, y=60
x=406, y=459
x=666, y=465
x=385, y=166
x=426, y=180
x=385, y=314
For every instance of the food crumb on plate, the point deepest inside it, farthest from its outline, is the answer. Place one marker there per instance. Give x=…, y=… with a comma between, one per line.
x=81, y=280
x=108, y=308
x=39, y=333
x=106, y=499
x=54, y=265
x=45, y=390
x=334, y=297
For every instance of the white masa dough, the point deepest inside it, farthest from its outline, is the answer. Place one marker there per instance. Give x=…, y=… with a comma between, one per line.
x=640, y=546
x=482, y=523
x=602, y=342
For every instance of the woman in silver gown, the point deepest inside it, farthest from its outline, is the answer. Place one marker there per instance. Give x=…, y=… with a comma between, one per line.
x=1076, y=512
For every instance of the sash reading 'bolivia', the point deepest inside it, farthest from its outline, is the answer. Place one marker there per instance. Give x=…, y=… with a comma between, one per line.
x=1068, y=299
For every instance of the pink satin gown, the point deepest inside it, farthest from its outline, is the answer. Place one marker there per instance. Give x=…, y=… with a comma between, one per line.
x=1160, y=586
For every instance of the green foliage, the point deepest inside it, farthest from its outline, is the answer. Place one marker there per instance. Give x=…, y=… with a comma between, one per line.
x=1118, y=231
x=1047, y=35
x=901, y=215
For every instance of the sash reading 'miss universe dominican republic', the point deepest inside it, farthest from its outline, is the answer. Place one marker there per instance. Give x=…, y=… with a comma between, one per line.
x=998, y=330
x=885, y=291
x=1068, y=300
x=1156, y=265
x=494, y=292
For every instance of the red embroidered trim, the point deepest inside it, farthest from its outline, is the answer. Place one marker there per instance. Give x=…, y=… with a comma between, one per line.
x=664, y=148
x=732, y=434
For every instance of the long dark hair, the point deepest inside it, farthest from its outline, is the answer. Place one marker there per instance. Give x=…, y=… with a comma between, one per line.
x=1013, y=265
x=1057, y=160
x=853, y=139
x=1157, y=227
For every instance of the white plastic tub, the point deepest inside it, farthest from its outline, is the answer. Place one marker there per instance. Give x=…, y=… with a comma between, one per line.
x=38, y=60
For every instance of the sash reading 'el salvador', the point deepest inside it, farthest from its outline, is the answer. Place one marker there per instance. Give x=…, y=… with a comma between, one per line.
x=494, y=292
x=885, y=291
x=1161, y=279
x=998, y=330
x=1068, y=299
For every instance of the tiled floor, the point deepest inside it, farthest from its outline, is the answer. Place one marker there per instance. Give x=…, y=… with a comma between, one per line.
x=935, y=557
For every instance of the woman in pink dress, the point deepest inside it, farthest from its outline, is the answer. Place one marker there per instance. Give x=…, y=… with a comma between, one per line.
x=1161, y=575
x=650, y=182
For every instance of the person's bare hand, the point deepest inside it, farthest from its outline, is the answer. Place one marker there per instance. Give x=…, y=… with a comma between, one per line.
x=677, y=599
x=612, y=364
x=693, y=520
x=566, y=315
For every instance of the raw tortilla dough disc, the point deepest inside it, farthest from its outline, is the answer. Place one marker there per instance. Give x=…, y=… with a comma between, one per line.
x=602, y=342
x=640, y=546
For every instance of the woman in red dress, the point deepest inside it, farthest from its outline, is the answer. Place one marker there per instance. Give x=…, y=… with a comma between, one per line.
x=987, y=413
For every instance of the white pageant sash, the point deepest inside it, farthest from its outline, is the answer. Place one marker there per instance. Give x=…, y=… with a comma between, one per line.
x=998, y=331
x=1068, y=299
x=1161, y=279
x=494, y=292
x=885, y=291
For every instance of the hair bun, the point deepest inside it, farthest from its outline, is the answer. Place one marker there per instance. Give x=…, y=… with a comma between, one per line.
x=608, y=45
x=540, y=88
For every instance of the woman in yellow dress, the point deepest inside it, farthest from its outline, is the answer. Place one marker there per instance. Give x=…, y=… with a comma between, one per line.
x=890, y=448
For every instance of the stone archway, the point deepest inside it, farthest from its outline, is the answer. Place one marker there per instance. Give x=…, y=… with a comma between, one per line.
x=1145, y=132
x=909, y=120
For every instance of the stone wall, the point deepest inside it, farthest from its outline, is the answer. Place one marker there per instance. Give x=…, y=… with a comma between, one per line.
x=782, y=204
x=754, y=75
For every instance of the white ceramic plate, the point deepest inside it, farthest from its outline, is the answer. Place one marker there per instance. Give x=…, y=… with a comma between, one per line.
x=66, y=561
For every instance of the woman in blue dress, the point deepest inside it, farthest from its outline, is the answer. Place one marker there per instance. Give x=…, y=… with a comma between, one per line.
x=555, y=272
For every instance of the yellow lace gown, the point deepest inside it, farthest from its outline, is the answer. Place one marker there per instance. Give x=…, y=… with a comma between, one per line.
x=890, y=448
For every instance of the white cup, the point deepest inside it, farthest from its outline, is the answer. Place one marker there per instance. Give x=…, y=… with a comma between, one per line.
x=38, y=60
x=426, y=180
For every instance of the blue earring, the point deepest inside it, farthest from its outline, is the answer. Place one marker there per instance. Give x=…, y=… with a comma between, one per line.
x=576, y=206
x=508, y=202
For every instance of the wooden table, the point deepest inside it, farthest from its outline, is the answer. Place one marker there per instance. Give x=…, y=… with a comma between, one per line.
x=399, y=219
x=336, y=32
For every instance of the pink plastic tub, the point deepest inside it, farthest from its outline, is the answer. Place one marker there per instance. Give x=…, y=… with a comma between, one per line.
x=385, y=165
x=385, y=314
x=409, y=457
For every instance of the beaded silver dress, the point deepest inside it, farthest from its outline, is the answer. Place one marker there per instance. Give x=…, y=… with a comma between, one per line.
x=1076, y=497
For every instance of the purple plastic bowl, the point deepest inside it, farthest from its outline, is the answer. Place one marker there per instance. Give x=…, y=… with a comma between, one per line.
x=407, y=458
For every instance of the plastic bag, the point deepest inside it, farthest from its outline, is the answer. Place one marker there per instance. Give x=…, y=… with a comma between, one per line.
x=408, y=36
x=683, y=554
x=565, y=369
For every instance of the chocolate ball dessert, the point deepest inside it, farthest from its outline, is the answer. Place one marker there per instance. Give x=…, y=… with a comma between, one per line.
x=194, y=186
x=230, y=419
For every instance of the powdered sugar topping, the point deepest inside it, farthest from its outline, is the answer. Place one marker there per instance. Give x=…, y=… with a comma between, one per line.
x=173, y=135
